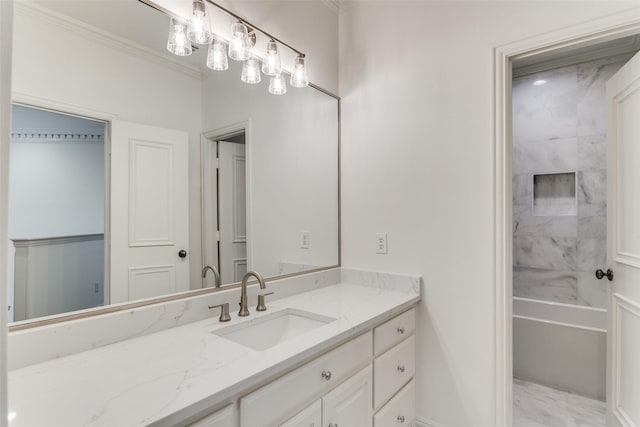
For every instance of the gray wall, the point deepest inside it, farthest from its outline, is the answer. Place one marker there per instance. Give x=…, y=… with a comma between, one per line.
x=560, y=126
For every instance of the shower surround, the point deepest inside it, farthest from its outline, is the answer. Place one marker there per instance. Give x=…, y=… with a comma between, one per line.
x=559, y=127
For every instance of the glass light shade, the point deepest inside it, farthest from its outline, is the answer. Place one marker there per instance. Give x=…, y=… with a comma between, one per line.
x=271, y=65
x=199, y=26
x=251, y=71
x=277, y=85
x=238, y=47
x=178, y=43
x=299, y=76
x=217, y=56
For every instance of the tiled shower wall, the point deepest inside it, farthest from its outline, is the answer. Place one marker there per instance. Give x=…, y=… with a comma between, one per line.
x=560, y=126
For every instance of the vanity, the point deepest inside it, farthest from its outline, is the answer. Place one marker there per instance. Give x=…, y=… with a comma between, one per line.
x=337, y=351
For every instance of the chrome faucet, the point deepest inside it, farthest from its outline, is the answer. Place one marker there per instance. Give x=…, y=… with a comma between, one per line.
x=216, y=274
x=244, y=311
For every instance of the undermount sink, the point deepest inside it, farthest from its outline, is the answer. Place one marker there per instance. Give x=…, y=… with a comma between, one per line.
x=272, y=329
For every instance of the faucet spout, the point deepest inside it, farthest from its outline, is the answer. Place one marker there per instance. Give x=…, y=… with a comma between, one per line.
x=244, y=311
x=216, y=274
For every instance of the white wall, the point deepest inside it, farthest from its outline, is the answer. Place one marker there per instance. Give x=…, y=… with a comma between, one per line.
x=293, y=175
x=417, y=85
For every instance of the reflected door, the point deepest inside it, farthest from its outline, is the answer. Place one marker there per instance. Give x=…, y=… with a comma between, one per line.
x=623, y=220
x=232, y=211
x=149, y=212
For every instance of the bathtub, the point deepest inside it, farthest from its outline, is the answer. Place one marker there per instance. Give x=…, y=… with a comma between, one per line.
x=560, y=345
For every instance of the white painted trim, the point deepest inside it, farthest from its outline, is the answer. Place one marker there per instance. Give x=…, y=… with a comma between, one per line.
x=113, y=41
x=58, y=240
x=225, y=132
x=6, y=45
x=610, y=27
x=332, y=5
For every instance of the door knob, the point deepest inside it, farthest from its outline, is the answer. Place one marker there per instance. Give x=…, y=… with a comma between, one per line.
x=182, y=253
x=601, y=274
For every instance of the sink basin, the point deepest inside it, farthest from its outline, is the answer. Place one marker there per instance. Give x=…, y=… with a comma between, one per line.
x=275, y=328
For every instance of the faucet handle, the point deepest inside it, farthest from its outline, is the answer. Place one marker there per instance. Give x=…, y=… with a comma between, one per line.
x=224, y=312
x=261, y=306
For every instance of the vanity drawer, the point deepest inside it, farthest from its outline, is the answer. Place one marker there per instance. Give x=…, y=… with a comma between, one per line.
x=400, y=410
x=393, y=369
x=273, y=403
x=225, y=417
x=393, y=331
x=310, y=417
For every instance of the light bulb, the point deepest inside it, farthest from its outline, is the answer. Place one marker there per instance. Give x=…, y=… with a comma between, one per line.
x=299, y=76
x=178, y=44
x=251, y=71
x=271, y=65
x=199, y=27
x=217, y=56
x=277, y=85
x=238, y=47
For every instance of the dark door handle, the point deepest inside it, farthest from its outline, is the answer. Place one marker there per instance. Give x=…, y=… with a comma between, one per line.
x=601, y=274
x=182, y=253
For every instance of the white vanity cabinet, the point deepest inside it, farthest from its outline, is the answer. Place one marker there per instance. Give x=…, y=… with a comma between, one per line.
x=225, y=417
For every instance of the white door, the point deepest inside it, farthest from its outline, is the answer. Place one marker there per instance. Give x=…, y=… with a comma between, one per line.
x=350, y=404
x=232, y=211
x=149, y=211
x=623, y=221
x=310, y=417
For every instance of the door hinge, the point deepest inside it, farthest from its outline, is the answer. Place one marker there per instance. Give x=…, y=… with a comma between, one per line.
x=217, y=163
x=217, y=235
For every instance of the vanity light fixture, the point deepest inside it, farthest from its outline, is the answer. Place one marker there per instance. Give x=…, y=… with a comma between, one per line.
x=299, y=76
x=199, y=26
x=271, y=65
x=243, y=38
x=178, y=44
x=238, y=46
x=217, y=55
x=277, y=85
x=251, y=71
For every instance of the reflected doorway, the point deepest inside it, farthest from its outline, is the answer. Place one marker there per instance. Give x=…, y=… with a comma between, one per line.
x=225, y=208
x=56, y=213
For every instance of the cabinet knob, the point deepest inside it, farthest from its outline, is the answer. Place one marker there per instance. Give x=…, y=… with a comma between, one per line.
x=401, y=418
x=401, y=330
x=333, y=425
x=327, y=376
x=401, y=368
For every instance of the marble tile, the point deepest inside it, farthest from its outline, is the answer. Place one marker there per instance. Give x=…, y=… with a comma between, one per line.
x=525, y=223
x=592, y=187
x=592, y=254
x=547, y=111
x=553, y=253
x=522, y=188
x=389, y=281
x=536, y=405
x=591, y=291
x=591, y=94
x=546, y=156
x=592, y=225
x=547, y=285
x=592, y=152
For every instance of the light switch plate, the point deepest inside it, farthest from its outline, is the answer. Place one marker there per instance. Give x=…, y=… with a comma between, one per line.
x=304, y=240
x=381, y=243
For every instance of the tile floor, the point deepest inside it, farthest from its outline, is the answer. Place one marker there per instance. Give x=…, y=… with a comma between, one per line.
x=535, y=405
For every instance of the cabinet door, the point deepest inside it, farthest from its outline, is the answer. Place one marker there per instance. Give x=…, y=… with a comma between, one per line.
x=310, y=417
x=350, y=404
x=225, y=417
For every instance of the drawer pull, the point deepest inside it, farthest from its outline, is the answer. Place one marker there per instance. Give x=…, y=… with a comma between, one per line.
x=401, y=418
x=327, y=376
x=401, y=330
x=401, y=368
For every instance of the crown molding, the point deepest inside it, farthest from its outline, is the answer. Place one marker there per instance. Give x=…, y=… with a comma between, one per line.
x=105, y=38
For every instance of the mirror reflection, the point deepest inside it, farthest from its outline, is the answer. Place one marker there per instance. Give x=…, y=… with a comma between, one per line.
x=137, y=174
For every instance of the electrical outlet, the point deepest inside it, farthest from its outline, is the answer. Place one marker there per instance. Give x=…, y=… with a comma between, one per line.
x=381, y=243
x=304, y=240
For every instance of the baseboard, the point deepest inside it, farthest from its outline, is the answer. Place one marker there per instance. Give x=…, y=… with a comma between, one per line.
x=422, y=422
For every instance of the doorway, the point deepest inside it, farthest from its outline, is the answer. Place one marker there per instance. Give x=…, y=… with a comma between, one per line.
x=622, y=368
x=57, y=211
x=224, y=175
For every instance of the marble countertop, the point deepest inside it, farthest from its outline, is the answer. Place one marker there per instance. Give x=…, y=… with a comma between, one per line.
x=167, y=377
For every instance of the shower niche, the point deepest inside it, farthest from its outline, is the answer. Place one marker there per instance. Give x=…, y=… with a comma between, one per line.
x=554, y=194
